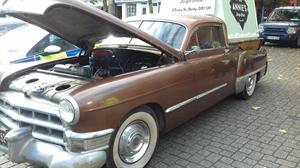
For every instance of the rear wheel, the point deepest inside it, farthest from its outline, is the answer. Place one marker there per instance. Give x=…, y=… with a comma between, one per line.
x=135, y=140
x=249, y=87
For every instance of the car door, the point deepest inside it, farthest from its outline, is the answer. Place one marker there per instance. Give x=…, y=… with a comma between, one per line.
x=214, y=70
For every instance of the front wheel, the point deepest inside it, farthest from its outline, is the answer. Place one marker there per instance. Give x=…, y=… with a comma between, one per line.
x=249, y=87
x=135, y=140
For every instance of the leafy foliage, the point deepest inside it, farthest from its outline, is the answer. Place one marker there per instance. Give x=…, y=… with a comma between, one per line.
x=93, y=1
x=282, y=2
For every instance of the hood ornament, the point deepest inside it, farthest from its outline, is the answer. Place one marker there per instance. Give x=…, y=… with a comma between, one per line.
x=36, y=90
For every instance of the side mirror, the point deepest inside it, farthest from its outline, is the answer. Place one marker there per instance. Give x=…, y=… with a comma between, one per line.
x=194, y=50
x=52, y=49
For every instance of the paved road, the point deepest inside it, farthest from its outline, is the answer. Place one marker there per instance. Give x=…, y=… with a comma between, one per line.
x=261, y=132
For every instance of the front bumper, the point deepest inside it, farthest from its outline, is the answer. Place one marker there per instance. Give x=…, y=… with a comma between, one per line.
x=22, y=147
x=279, y=38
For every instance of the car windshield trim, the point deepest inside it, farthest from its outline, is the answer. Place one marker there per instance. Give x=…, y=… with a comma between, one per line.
x=163, y=21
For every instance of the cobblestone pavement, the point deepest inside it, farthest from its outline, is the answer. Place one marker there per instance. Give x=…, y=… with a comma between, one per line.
x=261, y=132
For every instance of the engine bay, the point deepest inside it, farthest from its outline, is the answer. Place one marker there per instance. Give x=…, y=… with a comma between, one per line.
x=103, y=63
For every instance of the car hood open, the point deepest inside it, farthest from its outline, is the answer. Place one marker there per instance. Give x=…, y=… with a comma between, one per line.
x=78, y=22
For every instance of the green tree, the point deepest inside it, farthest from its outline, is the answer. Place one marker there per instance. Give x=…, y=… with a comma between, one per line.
x=282, y=2
x=105, y=7
x=93, y=1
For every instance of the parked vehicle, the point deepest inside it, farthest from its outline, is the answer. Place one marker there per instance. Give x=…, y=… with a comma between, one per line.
x=282, y=26
x=109, y=104
x=28, y=43
x=7, y=24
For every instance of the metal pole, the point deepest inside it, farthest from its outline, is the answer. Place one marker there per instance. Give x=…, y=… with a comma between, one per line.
x=274, y=4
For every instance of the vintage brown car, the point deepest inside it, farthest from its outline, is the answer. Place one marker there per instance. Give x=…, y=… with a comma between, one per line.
x=110, y=104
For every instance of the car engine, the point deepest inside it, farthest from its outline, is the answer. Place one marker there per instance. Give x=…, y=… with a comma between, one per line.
x=105, y=63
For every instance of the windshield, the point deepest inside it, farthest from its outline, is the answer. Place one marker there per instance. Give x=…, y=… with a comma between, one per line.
x=285, y=15
x=16, y=43
x=28, y=42
x=170, y=33
x=7, y=27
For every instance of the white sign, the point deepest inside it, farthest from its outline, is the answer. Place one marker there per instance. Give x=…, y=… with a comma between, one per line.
x=239, y=15
x=188, y=7
x=135, y=1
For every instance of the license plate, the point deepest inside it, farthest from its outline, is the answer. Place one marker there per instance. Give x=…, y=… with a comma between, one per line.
x=273, y=37
x=3, y=131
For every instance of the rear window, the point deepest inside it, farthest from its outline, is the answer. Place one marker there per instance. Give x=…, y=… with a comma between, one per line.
x=207, y=37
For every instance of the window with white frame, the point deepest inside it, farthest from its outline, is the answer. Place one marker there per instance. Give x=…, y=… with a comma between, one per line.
x=131, y=10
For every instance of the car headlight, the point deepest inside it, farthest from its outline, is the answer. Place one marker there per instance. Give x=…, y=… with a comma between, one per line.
x=261, y=28
x=69, y=111
x=292, y=30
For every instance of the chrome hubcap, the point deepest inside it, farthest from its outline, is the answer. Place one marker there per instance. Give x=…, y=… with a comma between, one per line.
x=251, y=85
x=134, y=142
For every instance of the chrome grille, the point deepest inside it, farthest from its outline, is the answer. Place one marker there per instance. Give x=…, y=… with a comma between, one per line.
x=46, y=126
x=275, y=31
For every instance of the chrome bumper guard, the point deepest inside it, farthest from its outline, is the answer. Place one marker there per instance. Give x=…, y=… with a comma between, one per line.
x=22, y=147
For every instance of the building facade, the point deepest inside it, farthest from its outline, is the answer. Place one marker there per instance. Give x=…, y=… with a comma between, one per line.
x=127, y=8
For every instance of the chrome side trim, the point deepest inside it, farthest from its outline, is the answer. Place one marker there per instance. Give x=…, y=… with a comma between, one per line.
x=241, y=81
x=179, y=105
x=254, y=72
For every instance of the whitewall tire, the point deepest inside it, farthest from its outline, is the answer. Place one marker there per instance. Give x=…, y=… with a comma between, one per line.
x=249, y=88
x=135, y=140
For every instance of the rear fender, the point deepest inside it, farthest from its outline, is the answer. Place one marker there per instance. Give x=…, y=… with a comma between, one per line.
x=250, y=62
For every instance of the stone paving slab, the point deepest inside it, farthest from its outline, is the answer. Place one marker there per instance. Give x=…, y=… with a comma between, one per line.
x=263, y=132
